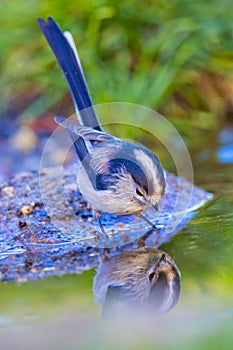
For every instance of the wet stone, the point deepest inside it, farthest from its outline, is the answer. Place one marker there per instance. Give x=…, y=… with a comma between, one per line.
x=47, y=228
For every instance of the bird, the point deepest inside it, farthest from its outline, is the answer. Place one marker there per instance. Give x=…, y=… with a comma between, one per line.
x=140, y=280
x=116, y=176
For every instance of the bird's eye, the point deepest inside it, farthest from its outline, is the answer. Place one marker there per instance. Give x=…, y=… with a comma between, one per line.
x=151, y=276
x=139, y=192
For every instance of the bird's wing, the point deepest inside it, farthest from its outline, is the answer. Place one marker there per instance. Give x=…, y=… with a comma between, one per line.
x=116, y=301
x=83, y=131
x=65, y=51
x=81, y=149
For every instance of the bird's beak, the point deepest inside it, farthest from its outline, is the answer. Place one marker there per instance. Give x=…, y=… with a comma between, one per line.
x=155, y=206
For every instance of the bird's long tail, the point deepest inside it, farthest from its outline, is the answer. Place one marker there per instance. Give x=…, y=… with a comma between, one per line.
x=65, y=51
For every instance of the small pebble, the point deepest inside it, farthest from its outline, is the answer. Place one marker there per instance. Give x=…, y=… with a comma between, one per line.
x=46, y=269
x=22, y=224
x=26, y=210
x=8, y=190
x=88, y=206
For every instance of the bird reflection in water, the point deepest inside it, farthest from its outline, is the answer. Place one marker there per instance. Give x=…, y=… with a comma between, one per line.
x=142, y=280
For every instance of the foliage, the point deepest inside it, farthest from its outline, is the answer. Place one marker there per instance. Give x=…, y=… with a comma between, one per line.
x=175, y=56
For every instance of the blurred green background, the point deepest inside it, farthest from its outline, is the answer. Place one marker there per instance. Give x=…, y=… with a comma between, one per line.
x=175, y=57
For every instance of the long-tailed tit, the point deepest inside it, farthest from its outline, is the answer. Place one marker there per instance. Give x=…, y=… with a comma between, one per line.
x=117, y=176
x=144, y=279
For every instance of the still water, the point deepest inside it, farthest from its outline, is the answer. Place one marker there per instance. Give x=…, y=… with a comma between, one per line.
x=61, y=310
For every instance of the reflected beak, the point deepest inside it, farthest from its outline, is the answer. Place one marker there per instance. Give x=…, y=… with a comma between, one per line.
x=163, y=258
